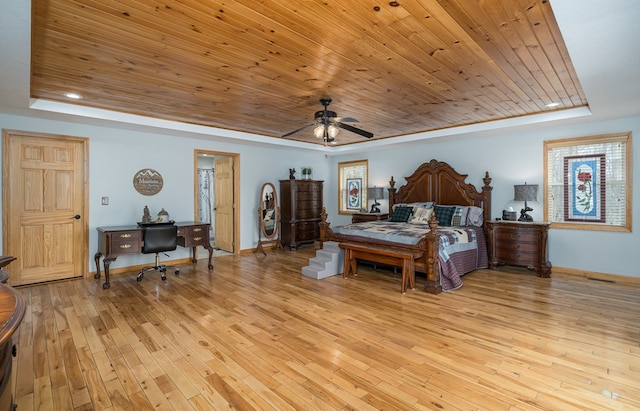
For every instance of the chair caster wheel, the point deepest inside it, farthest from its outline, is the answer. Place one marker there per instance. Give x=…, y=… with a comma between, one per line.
x=177, y=272
x=164, y=277
x=139, y=277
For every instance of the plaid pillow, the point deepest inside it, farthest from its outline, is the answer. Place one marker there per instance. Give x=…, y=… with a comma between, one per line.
x=444, y=215
x=401, y=214
x=460, y=216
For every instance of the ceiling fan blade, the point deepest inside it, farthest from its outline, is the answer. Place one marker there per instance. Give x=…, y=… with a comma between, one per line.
x=300, y=129
x=354, y=130
x=346, y=119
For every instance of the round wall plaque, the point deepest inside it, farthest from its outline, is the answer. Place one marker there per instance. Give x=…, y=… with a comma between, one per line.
x=147, y=182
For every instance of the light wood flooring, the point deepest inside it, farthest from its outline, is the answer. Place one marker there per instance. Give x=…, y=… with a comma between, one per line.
x=254, y=334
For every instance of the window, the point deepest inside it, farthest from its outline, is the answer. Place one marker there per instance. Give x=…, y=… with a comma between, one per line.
x=587, y=182
x=353, y=177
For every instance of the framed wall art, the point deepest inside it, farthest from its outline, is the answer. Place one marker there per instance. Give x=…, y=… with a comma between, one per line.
x=354, y=193
x=353, y=176
x=587, y=182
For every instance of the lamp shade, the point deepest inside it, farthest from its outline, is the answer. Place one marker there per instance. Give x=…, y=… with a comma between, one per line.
x=375, y=193
x=326, y=132
x=318, y=132
x=525, y=192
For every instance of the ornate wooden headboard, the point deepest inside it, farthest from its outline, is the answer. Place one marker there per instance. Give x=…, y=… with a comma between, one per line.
x=438, y=182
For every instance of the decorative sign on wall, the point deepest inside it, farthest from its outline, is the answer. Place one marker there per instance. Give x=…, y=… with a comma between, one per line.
x=147, y=182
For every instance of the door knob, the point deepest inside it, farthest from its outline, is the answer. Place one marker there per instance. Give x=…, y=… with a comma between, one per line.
x=77, y=216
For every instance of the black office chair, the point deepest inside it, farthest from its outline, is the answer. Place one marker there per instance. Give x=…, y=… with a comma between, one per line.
x=158, y=239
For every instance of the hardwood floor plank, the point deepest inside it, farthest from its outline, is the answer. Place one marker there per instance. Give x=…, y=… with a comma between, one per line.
x=175, y=374
x=97, y=390
x=125, y=379
x=152, y=392
x=118, y=396
x=255, y=334
x=72, y=368
x=42, y=393
x=234, y=397
x=63, y=400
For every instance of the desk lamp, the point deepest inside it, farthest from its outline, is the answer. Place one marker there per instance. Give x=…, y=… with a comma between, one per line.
x=525, y=193
x=375, y=193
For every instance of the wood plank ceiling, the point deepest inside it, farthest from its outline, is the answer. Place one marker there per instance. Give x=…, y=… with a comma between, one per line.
x=262, y=66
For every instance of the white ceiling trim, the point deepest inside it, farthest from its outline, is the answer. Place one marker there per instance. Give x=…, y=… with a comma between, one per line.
x=101, y=114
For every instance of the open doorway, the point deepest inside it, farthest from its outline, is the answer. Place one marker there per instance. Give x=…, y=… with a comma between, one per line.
x=217, y=191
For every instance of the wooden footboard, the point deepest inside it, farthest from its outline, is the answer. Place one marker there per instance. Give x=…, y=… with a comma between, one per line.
x=428, y=263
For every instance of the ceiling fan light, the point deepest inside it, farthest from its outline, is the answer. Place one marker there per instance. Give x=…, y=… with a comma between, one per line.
x=319, y=131
x=332, y=130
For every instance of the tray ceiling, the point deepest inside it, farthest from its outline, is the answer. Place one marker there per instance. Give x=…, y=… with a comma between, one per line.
x=261, y=67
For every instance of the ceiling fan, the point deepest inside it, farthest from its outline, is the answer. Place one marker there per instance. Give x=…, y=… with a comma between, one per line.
x=327, y=124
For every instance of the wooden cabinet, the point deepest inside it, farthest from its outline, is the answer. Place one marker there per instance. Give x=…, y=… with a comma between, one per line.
x=519, y=243
x=300, y=208
x=361, y=217
x=12, y=309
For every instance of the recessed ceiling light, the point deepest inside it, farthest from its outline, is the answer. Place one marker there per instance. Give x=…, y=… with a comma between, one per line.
x=550, y=105
x=74, y=96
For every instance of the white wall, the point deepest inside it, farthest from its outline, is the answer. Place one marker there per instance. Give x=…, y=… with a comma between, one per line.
x=513, y=157
x=115, y=155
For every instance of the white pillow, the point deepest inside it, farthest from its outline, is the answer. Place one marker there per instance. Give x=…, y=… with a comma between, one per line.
x=475, y=216
x=421, y=215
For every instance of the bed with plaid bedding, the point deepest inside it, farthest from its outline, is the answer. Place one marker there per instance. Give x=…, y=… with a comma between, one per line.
x=461, y=249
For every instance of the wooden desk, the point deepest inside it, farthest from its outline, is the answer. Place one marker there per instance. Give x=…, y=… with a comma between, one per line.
x=122, y=240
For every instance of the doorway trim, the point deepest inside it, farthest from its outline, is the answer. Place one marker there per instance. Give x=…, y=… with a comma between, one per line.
x=236, y=190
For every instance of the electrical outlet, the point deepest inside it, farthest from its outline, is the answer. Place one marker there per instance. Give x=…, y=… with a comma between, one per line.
x=105, y=200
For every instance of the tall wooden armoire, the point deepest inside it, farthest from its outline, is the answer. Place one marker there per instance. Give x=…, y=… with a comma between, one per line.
x=300, y=208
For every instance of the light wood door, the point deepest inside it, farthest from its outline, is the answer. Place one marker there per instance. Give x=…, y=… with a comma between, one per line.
x=44, y=206
x=223, y=203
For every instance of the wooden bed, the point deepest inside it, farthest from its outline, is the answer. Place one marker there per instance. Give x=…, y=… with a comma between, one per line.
x=435, y=182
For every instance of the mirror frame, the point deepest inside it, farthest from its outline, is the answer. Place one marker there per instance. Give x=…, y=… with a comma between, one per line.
x=262, y=209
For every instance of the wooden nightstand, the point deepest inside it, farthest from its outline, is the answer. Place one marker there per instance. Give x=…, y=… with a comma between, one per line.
x=361, y=217
x=519, y=243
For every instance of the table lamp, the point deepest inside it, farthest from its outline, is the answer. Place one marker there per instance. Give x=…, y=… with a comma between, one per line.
x=375, y=193
x=524, y=192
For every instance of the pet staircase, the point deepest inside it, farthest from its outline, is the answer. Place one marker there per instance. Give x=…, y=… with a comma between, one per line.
x=328, y=261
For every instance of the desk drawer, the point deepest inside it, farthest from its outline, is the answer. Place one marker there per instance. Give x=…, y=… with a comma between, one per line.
x=194, y=236
x=125, y=242
x=522, y=236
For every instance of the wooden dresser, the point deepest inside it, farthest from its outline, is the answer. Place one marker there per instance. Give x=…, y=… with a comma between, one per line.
x=300, y=208
x=12, y=309
x=519, y=243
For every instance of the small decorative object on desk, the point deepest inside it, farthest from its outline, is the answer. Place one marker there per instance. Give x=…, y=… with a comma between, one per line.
x=306, y=173
x=292, y=174
x=163, y=216
x=146, y=216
